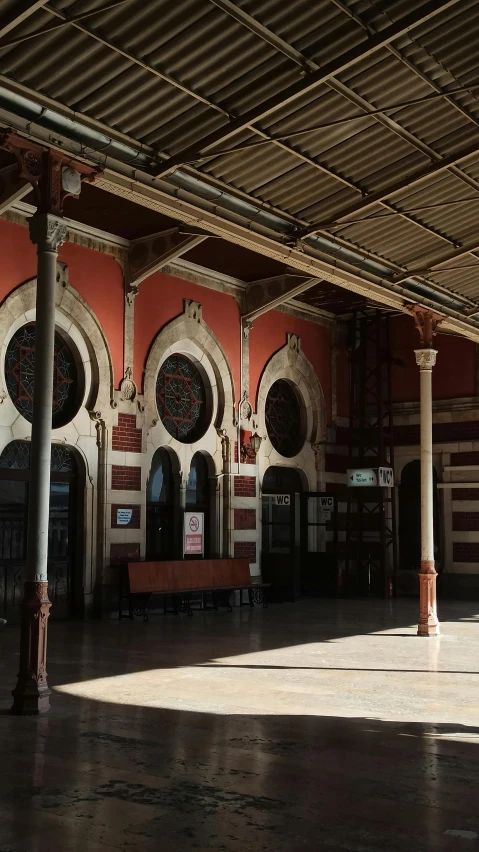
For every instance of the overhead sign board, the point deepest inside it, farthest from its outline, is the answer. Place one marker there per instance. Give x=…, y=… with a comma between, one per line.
x=193, y=536
x=366, y=477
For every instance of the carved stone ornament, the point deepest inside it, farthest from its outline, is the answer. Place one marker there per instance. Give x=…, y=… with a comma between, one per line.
x=193, y=310
x=246, y=409
x=127, y=386
x=47, y=232
x=131, y=291
x=425, y=358
x=294, y=345
x=247, y=326
x=95, y=415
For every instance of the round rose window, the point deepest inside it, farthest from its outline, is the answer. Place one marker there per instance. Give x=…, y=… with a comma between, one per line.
x=181, y=398
x=283, y=419
x=19, y=367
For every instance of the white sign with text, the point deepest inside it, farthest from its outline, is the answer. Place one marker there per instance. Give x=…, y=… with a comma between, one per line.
x=193, y=536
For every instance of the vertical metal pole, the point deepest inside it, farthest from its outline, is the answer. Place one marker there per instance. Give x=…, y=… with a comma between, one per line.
x=428, y=622
x=31, y=694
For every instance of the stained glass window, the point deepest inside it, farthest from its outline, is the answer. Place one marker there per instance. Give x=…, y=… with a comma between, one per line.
x=283, y=419
x=19, y=366
x=181, y=398
x=16, y=456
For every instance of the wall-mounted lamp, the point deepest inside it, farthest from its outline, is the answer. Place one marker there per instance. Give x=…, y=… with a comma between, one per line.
x=250, y=450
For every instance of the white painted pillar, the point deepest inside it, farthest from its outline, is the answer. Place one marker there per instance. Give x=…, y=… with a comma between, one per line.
x=428, y=623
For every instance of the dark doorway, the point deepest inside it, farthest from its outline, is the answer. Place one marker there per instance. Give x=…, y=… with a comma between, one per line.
x=410, y=528
x=280, y=554
x=161, y=526
x=198, y=498
x=64, y=544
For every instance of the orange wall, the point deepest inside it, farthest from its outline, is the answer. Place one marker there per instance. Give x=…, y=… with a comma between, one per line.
x=269, y=334
x=454, y=374
x=161, y=299
x=97, y=277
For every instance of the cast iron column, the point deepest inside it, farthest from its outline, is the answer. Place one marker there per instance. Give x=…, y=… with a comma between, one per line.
x=428, y=622
x=31, y=694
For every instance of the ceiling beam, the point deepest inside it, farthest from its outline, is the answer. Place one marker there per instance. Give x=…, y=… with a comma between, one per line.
x=304, y=87
x=148, y=255
x=407, y=182
x=63, y=23
x=19, y=13
x=12, y=187
x=271, y=293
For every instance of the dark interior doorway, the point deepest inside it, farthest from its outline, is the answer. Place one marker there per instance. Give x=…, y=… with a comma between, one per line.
x=280, y=553
x=410, y=527
x=65, y=544
x=161, y=533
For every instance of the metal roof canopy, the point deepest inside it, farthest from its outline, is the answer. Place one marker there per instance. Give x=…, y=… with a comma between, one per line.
x=212, y=119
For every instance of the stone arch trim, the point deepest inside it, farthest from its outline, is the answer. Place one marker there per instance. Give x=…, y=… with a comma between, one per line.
x=74, y=315
x=291, y=363
x=190, y=335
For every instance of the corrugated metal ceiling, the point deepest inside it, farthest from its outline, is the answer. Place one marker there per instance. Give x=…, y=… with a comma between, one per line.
x=169, y=75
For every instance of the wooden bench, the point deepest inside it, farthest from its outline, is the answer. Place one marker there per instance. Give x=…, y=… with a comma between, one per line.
x=179, y=580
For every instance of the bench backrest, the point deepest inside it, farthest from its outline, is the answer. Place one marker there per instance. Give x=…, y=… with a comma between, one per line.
x=186, y=575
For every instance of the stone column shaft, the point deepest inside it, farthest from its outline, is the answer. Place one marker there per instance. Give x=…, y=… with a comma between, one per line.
x=31, y=694
x=428, y=622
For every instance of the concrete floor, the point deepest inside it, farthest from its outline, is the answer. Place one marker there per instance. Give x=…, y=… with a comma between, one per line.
x=318, y=725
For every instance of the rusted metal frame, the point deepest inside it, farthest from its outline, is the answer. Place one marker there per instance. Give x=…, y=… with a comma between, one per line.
x=20, y=12
x=64, y=23
x=316, y=78
x=405, y=183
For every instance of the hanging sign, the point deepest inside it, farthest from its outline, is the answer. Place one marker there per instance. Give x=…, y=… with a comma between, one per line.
x=123, y=517
x=386, y=477
x=193, y=536
x=365, y=477
x=280, y=499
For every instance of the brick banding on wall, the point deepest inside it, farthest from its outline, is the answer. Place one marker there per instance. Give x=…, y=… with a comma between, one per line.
x=245, y=519
x=465, y=551
x=458, y=459
x=121, y=553
x=125, y=478
x=135, y=517
x=126, y=437
x=245, y=486
x=442, y=433
x=465, y=521
x=245, y=550
x=465, y=493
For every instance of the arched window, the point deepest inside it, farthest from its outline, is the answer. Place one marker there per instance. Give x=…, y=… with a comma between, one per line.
x=181, y=398
x=197, y=487
x=283, y=419
x=19, y=369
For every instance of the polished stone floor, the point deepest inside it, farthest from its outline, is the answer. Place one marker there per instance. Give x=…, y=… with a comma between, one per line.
x=312, y=726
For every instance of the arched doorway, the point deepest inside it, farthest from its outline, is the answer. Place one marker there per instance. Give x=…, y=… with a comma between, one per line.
x=161, y=508
x=64, y=543
x=280, y=552
x=198, y=495
x=410, y=527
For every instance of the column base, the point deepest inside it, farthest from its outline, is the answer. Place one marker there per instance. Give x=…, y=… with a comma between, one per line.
x=31, y=695
x=428, y=622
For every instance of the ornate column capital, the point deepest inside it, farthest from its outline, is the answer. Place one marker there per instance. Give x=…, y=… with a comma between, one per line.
x=48, y=232
x=425, y=358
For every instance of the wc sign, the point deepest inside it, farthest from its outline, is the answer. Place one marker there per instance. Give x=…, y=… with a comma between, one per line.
x=386, y=477
x=326, y=505
x=281, y=499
